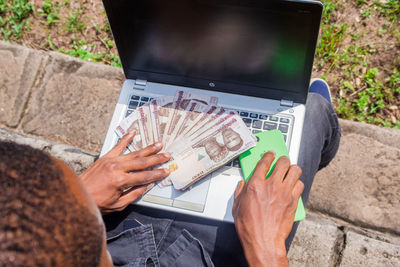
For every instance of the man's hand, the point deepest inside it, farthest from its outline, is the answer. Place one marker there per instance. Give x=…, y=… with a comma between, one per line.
x=264, y=211
x=115, y=180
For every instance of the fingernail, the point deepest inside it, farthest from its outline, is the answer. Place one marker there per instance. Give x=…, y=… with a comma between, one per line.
x=271, y=151
x=167, y=154
x=158, y=145
x=132, y=132
x=166, y=171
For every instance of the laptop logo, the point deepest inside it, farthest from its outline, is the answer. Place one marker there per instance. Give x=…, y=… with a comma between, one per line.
x=211, y=84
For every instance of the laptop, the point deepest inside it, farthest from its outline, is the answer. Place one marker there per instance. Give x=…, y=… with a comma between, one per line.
x=255, y=56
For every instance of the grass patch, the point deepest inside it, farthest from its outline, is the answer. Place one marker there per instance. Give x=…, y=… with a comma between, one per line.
x=363, y=90
x=82, y=50
x=14, y=18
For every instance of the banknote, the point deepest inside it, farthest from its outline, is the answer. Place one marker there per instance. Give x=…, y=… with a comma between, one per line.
x=205, y=154
x=184, y=118
x=145, y=126
x=205, y=120
x=180, y=103
x=155, y=120
x=192, y=111
x=128, y=124
x=163, y=106
x=200, y=135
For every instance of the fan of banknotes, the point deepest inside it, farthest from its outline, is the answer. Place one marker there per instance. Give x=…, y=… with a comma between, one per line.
x=200, y=135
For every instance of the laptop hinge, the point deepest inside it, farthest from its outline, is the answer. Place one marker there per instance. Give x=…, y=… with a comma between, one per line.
x=140, y=84
x=286, y=103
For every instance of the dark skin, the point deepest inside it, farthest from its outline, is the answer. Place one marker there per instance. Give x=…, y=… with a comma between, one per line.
x=263, y=209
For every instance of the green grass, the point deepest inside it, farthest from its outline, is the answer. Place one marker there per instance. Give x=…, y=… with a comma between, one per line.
x=364, y=92
x=74, y=23
x=14, y=18
x=49, y=11
x=82, y=50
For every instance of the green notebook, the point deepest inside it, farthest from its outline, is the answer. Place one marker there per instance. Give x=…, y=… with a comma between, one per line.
x=269, y=140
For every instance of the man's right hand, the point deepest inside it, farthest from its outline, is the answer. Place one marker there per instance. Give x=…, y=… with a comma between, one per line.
x=264, y=210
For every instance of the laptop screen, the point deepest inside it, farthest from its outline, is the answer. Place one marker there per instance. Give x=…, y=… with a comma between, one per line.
x=258, y=49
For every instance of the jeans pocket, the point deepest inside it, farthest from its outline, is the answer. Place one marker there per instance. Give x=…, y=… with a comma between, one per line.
x=185, y=251
x=133, y=247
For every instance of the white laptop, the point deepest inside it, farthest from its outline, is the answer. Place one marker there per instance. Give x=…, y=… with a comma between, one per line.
x=255, y=56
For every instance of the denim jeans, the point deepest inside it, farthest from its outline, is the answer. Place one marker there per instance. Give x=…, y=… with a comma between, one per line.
x=140, y=236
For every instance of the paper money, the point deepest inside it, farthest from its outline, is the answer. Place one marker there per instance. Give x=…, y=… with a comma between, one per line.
x=184, y=119
x=160, y=109
x=180, y=103
x=128, y=124
x=207, y=153
x=200, y=136
x=145, y=125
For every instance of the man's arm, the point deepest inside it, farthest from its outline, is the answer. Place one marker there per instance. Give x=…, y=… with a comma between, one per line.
x=114, y=181
x=264, y=211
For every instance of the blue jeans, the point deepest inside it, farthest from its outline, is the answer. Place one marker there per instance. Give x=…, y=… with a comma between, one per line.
x=141, y=236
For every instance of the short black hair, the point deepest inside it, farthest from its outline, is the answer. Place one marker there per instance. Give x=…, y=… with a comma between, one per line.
x=41, y=221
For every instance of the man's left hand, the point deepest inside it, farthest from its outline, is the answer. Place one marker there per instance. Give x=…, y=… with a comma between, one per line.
x=115, y=180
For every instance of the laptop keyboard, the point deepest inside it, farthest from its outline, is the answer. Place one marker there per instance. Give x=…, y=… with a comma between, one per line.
x=256, y=122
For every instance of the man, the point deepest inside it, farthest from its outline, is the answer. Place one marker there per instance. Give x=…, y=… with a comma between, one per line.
x=47, y=218
x=50, y=221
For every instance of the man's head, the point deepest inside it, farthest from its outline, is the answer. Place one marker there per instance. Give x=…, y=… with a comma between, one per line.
x=46, y=216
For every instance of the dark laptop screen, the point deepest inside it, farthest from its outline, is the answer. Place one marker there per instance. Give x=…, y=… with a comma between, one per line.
x=259, y=49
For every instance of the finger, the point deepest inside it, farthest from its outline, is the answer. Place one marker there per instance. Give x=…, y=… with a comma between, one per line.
x=239, y=190
x=143, y=177
x=122, y=144
x=262, y=168
x=280, y=170
x=236, y=197
x=298, y=189
x=292, y=176
x=141, y=163
x=147, y=151
x=129, y=197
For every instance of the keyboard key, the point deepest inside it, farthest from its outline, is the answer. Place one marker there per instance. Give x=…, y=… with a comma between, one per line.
x=128, y=112
x=236, y=163
x=270, y=125
x=133, y=104
x=151, y=98
x=244, y=114
x=135, y=97
x=263, y=117
x=247, y=121
x=229, y=164
x=256, y=131
x=273, y=118
x=284, y=120
x=284, y=137
x=144, y=99
x=141, y=104
x=257, y=124
x=283, y=128
x=253, y=115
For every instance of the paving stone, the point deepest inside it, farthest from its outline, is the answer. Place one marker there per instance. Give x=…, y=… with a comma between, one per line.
x=74, y=102
x=315, y=242
x=77, y=159
x=361, y=184
x=19, y=67
x=365, y=251
x=33, y=141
